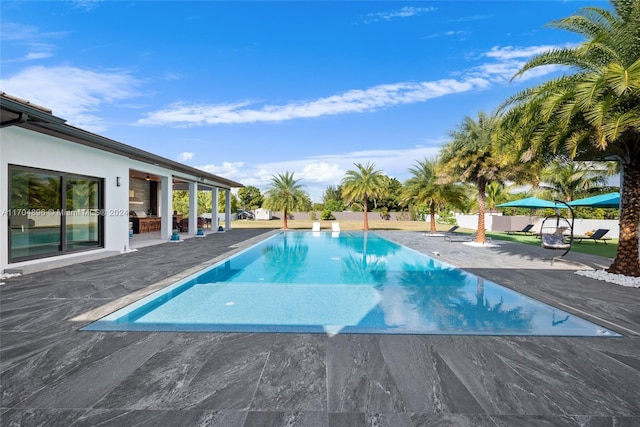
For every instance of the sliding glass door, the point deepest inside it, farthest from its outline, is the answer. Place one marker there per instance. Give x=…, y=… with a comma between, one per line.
x=51, y=213
x=82, y=213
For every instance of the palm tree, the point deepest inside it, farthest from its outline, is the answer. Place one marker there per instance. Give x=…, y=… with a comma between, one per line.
x=568, y=180
x=363, y=184
x=495, y=195
x=595, y=112
x=285, y=194
x=472, y=156
x=423, y=188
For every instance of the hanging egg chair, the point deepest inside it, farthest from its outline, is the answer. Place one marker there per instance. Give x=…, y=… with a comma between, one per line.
x=556, y=231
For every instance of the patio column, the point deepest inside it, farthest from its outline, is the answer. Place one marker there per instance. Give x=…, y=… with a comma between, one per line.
x=227, y=209
x=193, y=208
x=166, y=203
x=214, y=208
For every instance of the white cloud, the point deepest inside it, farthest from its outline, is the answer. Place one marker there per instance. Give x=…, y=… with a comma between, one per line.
x=75, y=94
x=11, y=31
x=87, y=5
x=318, y=172
x=37, y=55
x=404, y=12
x=353, y=101
x=183, y=157
x=509, y=60
x=511, y=52
x=322, y=172
x=503, y=64
x=37, y=44
x=230, y=170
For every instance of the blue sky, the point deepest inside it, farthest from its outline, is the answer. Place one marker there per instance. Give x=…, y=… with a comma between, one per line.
x=246, y=90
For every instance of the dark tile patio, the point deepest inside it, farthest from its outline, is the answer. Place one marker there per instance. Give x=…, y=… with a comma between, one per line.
x=51, y=373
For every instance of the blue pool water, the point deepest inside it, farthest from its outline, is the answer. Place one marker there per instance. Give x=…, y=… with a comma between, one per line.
x=351, y=283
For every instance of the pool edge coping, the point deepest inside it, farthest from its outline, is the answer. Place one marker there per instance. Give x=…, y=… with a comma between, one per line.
x=119, y=303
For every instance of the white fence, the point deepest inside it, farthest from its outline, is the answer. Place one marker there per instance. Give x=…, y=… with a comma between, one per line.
x=505, y=223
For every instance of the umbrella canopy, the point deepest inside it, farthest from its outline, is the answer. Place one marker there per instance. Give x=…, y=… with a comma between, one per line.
x=530, y=202
x=610, y=200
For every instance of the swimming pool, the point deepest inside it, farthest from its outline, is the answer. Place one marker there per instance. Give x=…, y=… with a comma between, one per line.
x=351, y=282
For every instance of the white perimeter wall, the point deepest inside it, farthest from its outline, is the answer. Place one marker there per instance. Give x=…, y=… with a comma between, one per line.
x=27, y=148
x=580, y=226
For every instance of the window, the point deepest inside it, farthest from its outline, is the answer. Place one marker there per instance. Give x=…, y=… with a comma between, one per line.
x=41, y=224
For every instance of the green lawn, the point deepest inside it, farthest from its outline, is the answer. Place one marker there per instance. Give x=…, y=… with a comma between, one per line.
x=586, y=247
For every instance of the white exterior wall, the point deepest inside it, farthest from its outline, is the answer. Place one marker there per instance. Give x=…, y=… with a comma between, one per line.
x=580, y=225
x=471, y=221
x=27, y=148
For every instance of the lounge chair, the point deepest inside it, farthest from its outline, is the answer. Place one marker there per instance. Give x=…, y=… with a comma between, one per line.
x=315, y=226
x=449, y=232
x=597, y=235
x=452, y=230
x=525, y=230
x=463, y=237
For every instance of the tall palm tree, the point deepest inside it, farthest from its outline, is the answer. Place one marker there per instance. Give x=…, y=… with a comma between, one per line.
x=423, y=188
x=285, y=194
x=568, y=180
x=472, y=156
x=363, y=184
x=593, y=113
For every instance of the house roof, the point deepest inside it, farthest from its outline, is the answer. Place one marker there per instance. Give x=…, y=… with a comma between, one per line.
x=15, y=111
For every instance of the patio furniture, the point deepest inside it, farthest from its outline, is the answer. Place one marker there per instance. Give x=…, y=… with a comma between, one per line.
x=597, y=235
x=554, y=228
x=463, y=237
x=452, y=230
x=315, y=226
x=525, y=230
x=335, y=227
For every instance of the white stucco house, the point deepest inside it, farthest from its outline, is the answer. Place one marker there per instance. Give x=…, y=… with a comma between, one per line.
x=66, y=191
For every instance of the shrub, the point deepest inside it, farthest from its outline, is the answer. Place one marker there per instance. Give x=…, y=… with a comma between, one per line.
x=327, y=215
x=384, y=214
x=446, y=218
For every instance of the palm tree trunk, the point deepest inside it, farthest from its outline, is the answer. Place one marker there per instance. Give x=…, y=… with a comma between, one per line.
x=627, y=261
x=284, y=224
x=432, y=213
x=481, y=237
x=366, y=216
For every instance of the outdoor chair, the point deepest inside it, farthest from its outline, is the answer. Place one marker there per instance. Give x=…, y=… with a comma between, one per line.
x=184, y=224
x=597, y=235
x=556, y=239
x=452, y=230
x=315, y=226
x=335, y=227
x=449, y=232
x=525, y=230
x=463, y=237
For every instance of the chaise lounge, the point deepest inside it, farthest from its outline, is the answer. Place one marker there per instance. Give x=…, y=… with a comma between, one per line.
x=463, y=237
x=525, y=230
x=449, y=232
x=597, y=235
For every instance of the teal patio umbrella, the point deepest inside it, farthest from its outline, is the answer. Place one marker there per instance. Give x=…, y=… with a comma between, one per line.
x=609, y=200
x=531, y=203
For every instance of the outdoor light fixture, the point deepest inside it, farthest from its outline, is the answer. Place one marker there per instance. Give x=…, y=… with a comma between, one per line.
x=118, y=181
x=148, y=177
